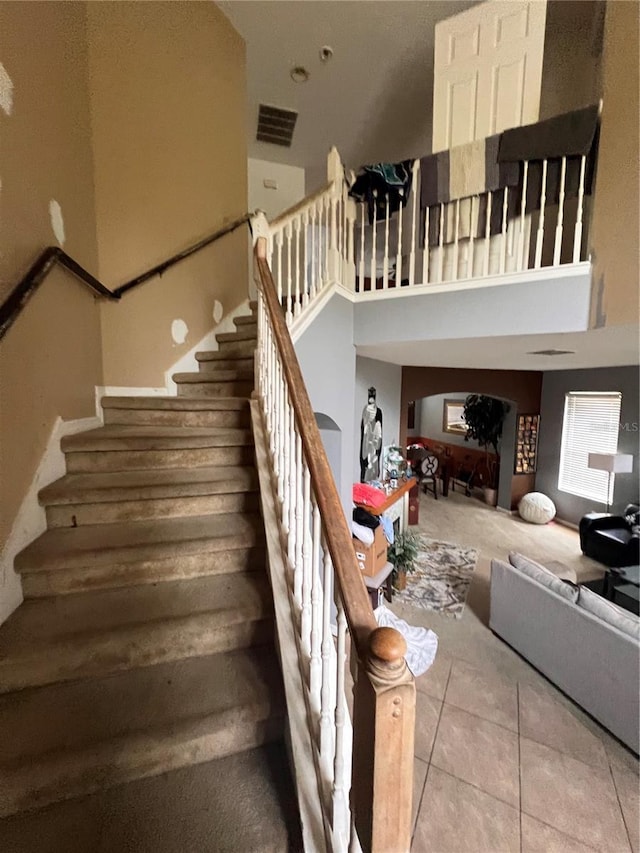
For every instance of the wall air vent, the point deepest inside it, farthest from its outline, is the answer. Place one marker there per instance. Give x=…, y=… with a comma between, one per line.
x=552, y=352
x=276, y=125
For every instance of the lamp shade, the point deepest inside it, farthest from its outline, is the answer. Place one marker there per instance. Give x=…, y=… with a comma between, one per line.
x=614, y=463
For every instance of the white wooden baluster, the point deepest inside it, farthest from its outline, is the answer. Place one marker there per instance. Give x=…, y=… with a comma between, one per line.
x=399, y=252
x=314, y=269
x=305, y=254
x=523, y=214
x=318, y=206
x=289, y=237
x=315, y=665
x=297, y=302
x=349, y=269
x=487, y=236
x=279, y=237
x=456, y=242
x=327, y=210
x=299, y=519
x=543, y=202
x=577, y=238
x=475, y=202
x=347, y=234
x=374, y=241
x=425, y=252
x=414, y=222
x=307, y=552
x=503, y=242
x=341, y=817
x=557, y=247
x=272, y=399
x=441, y=246
x=332, y=253
x=286, y=463
x=291, y=526
x=385, y=262
x=280, y=433
x=328, y=671
x=361, y=262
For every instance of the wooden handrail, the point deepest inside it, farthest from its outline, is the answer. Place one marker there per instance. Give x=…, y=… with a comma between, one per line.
x=291, y=212
x=48, y=258
x=352, y=588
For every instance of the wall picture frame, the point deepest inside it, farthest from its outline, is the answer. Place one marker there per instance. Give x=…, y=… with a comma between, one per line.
x=452, y=417
x=526, y=455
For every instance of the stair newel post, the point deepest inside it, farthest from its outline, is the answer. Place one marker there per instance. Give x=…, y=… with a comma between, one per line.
x=414, y=221
x=543, y=203
x=342, y=759
x=305, y=253
x=328, y=671
x=307, y=550
x=299, y=521
x=289, y=237
x=399, y=252
x=335, y=176
x=577, y=237
x=315, y=665
x=557, y=248
x=385, y=262
x=384, y=722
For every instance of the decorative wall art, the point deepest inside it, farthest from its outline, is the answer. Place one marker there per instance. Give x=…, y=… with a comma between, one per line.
x=370, y=439
x=453, y=417
x=526, y=458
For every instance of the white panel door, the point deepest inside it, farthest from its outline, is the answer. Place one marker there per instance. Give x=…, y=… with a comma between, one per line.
x=487, y=70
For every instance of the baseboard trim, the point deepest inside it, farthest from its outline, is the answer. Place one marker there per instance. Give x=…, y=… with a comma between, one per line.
x=30, y=522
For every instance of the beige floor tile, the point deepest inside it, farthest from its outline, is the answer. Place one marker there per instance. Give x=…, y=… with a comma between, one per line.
x=427, y=716
x=538, y=837
x=419, y=778
x=628, y=789
x=485, y=694
x=546, y=721
x=457, y=817
x=434, y=681
x=571, y=796
x=478, y=752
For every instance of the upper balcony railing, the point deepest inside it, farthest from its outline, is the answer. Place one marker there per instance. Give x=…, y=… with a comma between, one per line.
x=527, y=213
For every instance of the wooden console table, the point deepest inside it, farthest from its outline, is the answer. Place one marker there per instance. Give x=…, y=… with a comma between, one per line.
x=396, y=503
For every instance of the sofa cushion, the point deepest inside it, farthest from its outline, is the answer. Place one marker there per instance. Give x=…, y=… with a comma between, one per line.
x=620, y=536
x=543, y=576
x=609, y=612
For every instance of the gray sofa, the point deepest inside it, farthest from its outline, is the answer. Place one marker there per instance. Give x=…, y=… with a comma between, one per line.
x=586, y=646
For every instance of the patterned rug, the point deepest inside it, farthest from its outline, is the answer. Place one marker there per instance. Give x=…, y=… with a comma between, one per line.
x=442, y=577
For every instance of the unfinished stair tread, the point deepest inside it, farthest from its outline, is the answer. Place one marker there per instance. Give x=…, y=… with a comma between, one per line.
x=148, y=484
x=246, y=320
x=140, y=437
x=212, y=375
x=139, y=540
x=176, y=403
x=72, y=715
x=64, y=619
x=242, y=803
x=243, y=334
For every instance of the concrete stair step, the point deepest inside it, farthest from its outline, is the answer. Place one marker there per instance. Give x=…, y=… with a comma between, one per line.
x=72, y=738
x=107, y=631
x=79, y=499
x=125, y=448
x=68, y=560
x=230, y=412
x=244, y=333
x=244, y=802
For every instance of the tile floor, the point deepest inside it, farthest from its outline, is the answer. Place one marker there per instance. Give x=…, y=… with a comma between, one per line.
x=504, y=761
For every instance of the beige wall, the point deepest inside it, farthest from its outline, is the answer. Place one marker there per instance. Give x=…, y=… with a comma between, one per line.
x=50, y=360
x=615, y=228
x=168, y=114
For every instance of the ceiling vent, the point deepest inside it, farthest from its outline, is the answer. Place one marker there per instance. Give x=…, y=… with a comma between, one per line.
x=552, y=352
x=276, y=125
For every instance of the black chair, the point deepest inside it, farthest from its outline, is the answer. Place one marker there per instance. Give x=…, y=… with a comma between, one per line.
x=613, y=540
x=428, y=472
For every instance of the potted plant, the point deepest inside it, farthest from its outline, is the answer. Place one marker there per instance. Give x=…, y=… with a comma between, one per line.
x=402, y=555
x=484, y=417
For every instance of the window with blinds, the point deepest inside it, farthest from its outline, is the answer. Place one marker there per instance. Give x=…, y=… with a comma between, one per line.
x=590, y=425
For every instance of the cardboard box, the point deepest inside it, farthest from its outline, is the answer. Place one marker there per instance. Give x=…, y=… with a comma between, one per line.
x=373, y=558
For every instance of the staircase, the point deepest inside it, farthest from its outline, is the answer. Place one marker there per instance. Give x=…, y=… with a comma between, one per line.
x=145, y=645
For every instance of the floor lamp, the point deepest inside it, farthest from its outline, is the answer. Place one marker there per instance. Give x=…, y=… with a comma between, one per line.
x=612, y=463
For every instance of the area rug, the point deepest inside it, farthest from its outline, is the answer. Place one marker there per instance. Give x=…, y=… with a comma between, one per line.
x=442, y=577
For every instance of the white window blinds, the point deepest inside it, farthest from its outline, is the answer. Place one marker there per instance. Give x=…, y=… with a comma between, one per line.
x=590, y=425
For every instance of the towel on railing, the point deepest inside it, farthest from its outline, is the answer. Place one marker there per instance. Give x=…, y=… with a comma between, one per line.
x=380, y=181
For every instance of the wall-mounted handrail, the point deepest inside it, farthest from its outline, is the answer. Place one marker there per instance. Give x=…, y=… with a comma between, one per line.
x=49, y=257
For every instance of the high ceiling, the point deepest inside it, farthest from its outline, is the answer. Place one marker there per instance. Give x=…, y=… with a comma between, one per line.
x=372, y=100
